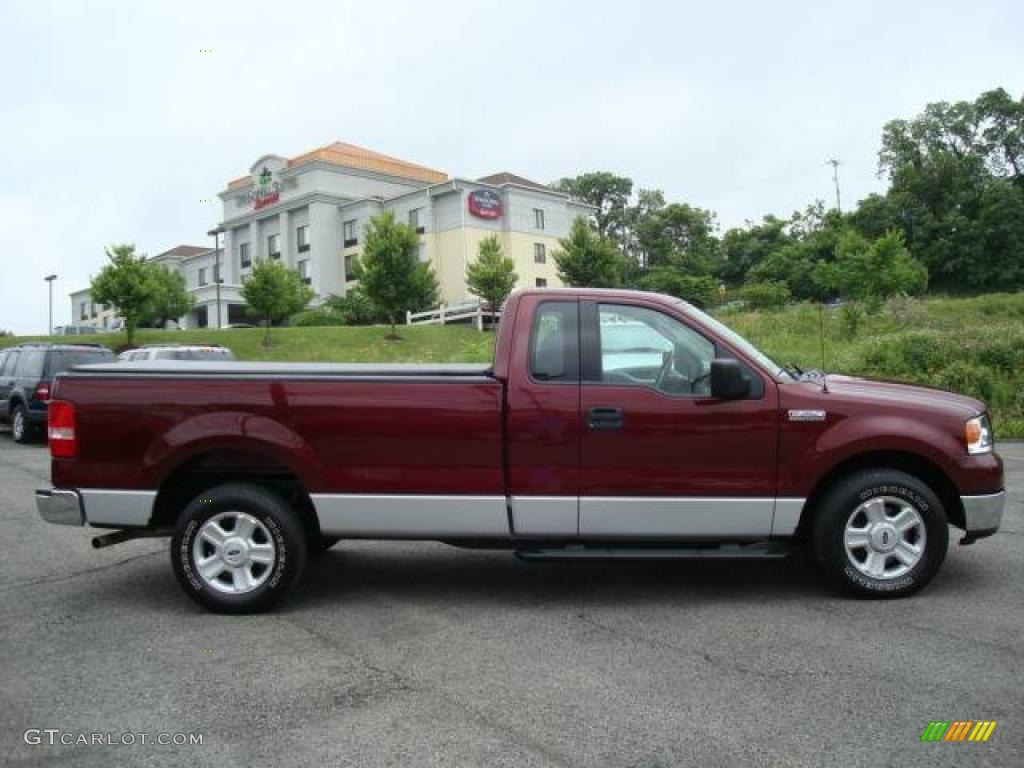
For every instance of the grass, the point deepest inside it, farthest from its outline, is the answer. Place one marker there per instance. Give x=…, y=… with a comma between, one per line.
x=970, y=345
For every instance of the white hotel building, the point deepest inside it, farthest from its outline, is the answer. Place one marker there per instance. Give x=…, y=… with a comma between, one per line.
x=310, y=212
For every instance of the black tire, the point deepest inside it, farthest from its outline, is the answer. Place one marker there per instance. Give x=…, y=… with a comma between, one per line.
x=845, y=566
x=277, y=524
x=21, y=429
x=321, y=544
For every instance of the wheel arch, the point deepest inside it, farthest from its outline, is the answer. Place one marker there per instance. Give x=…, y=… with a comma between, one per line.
x=212, y=466
x=914, y=464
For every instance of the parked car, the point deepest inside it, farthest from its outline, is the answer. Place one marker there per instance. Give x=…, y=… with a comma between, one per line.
x=204, y=352
x=75, y=330
x=27, y=372
x=588, y=437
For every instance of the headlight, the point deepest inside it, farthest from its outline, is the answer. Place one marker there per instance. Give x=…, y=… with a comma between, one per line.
x=978, y=435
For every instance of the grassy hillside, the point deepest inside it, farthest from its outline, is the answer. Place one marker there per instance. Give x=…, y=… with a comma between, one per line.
x=974, y=346
x=422, y=343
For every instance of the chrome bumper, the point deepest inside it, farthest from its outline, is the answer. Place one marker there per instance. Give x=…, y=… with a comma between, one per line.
x=60, y=507
x=983, y=513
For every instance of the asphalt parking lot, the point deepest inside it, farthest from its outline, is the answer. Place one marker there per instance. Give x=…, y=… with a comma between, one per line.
x=418, y=654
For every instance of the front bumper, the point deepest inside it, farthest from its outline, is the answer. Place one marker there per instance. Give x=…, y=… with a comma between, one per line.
x=60, y=507
x=983, y=514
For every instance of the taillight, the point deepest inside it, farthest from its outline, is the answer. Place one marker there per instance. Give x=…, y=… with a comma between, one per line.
x=61, y=430
x=42, y=393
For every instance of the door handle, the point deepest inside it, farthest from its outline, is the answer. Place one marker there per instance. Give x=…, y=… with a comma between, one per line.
x=603, y=418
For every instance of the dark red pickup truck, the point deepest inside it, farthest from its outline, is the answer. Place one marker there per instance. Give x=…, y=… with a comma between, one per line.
x=611, y=424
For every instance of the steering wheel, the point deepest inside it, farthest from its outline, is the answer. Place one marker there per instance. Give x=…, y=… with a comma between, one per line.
x=668, y=358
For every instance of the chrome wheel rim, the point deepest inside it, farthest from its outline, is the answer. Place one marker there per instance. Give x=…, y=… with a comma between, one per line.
x=885, y=537
x=234, y=553
x=18, y=425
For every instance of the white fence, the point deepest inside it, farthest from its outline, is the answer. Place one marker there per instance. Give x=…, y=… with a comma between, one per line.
x=455, y=313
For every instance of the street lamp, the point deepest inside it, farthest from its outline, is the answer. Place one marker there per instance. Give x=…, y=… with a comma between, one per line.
x=215, y=233
x=49, y=282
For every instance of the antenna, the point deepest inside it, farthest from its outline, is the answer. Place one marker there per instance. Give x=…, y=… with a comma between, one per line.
x=821, y=335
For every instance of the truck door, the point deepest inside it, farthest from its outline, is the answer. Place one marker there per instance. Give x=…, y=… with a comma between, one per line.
x=659, y=457
x=542, y=426
x=10, y=361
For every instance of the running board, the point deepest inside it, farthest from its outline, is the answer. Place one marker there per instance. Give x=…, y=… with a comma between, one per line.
x=760, y=551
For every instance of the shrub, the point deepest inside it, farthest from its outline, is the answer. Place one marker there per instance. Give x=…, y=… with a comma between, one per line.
x=851, y=318
x=698, y=290
x=317, y=317
x=771, y=294
x=356, y=308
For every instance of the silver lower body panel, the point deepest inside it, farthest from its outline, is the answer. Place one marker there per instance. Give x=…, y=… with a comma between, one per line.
x=983, y=513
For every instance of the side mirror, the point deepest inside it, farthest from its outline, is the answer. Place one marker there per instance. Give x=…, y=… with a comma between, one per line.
x=728, y=382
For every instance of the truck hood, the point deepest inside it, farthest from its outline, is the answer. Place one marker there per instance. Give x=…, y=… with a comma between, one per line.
x=905, y=395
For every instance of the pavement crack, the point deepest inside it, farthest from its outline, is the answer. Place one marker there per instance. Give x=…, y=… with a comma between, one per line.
x=74, y=574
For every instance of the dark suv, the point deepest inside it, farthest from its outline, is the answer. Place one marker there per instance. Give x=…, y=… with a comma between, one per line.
x=26, y=375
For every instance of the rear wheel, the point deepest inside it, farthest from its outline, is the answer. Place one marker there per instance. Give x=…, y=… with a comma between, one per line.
x=238, y=548
x=880, y=533
x=21, y=429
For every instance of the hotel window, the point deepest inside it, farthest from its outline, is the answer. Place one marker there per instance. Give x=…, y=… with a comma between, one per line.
x=92, y=309
x=83, y=310
x=302, y=238
x=542, y=282
x=540, y=253
x=348, y=233
x=421, y=251
x=274, y=246
x=414, y=220
x=350, y=268
x=538, y=218
x=243, y=255
x=202, y=277
x=304, y=271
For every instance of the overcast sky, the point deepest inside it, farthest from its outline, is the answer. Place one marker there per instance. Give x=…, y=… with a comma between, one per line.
x=115, y=127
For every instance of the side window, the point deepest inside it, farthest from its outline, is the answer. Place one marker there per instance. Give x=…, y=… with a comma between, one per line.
x=646, y=348
x=11, y=363
x=30, y=364
x=554, y=342
x=3, y=361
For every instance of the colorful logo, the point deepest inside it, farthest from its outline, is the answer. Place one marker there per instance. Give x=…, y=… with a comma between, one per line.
x=958, y=730
x=266, y=189
x=484, y=204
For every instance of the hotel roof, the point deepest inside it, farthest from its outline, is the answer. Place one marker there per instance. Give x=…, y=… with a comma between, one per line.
x=351, y=156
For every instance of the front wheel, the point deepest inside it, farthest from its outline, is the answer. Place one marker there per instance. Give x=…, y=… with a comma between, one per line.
x=238, y=548
x=880, y=533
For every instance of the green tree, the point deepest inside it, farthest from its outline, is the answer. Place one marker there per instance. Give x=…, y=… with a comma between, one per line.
x=743, y=248
x=955, y=179
x=169, y=299
x=874, y=271
x=700, y=290
x=126, y=284
x=679, y=233
x=772, y=295
x=493, y=275
x=588, y=260
x=390, y=273
x=274, y=292
x=606, y=192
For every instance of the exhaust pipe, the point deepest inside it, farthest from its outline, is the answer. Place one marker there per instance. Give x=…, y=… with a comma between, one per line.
x=127, y=534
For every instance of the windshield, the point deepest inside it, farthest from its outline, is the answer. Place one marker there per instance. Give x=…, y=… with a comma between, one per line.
x=735, y=340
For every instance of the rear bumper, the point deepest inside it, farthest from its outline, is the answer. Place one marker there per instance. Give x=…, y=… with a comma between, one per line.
x=105, y=508
x=60, y=507
x=983, y=514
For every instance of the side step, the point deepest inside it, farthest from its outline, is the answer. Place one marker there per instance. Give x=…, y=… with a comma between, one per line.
x=759, y=551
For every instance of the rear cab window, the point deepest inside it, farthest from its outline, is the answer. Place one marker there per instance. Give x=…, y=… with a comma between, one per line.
x=554, y=342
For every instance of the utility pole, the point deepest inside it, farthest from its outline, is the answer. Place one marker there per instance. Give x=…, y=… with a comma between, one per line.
x=49, y=282
x=835, y=180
